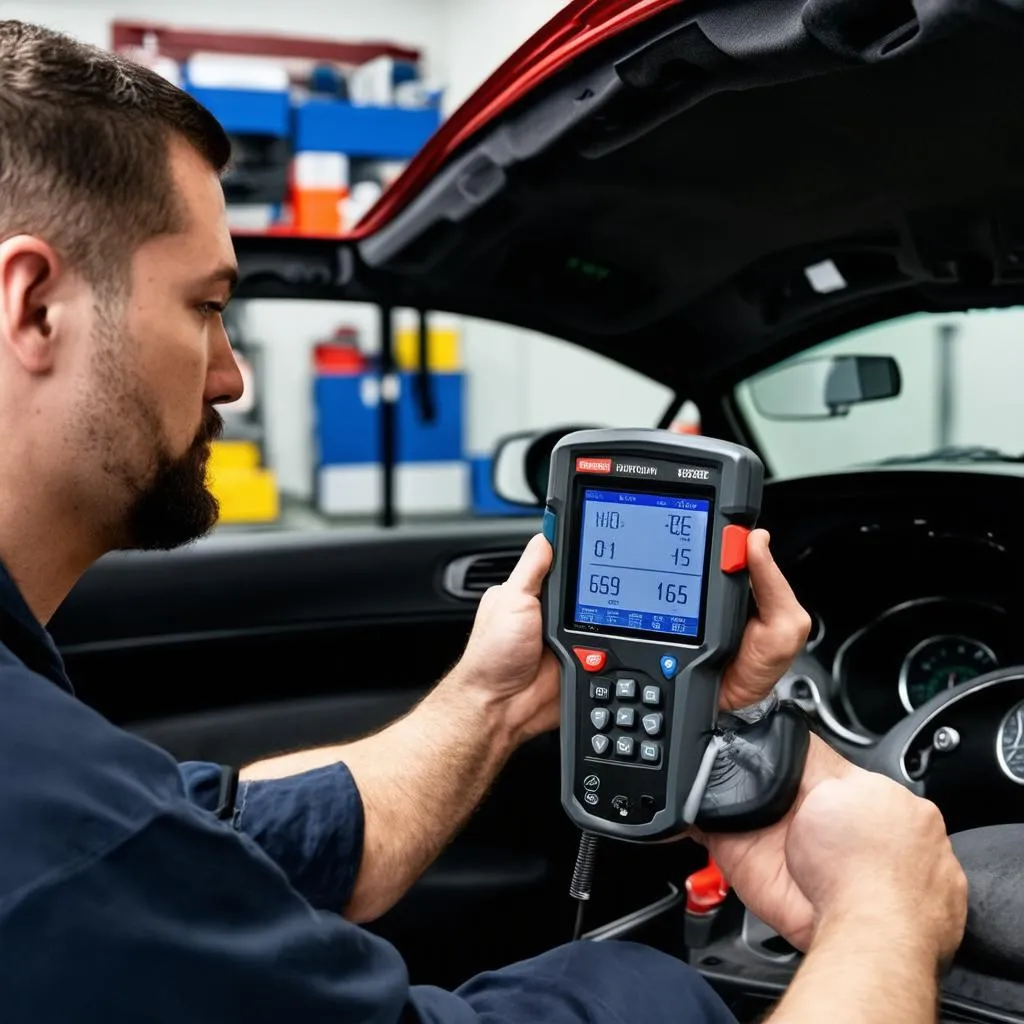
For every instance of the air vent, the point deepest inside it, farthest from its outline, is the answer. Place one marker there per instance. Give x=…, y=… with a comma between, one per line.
x=468, y=577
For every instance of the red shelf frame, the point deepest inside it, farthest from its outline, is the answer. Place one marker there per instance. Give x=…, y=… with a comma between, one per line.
x=180, y=43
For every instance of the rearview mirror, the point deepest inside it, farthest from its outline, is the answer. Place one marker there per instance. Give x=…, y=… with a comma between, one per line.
x=521, y=463
x=824, y=387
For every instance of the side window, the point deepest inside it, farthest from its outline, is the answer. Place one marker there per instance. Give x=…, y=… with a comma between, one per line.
x=304, y=447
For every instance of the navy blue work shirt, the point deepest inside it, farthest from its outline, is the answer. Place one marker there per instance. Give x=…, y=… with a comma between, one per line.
x=125, y=898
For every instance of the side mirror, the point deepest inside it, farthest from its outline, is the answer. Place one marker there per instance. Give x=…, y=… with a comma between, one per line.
x=521, y=464
x=824, y=387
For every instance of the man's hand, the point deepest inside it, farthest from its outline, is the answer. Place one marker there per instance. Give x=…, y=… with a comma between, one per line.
x=506, y=661
x=772, y=639
x=787, y=875
x=754, y=863
x=863, y=874
x=834, y=857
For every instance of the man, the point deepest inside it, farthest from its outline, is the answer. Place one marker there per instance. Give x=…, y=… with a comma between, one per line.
x=127, y=893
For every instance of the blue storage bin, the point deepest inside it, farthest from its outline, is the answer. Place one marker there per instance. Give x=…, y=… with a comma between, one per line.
x=347, y=429
x=247, y=111
x=331, y=126
x=440, y=441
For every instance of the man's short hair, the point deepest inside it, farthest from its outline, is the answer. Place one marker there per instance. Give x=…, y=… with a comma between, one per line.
x=84, y=149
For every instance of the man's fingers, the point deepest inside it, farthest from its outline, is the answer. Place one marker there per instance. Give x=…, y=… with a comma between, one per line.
x=777, y=606
x=772, y=591
x=773, y=639
x=532, y=567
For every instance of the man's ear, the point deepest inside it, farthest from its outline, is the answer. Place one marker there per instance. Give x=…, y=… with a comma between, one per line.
x=29, y=271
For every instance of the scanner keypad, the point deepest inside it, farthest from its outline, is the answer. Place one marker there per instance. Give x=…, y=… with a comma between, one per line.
x=622, y=727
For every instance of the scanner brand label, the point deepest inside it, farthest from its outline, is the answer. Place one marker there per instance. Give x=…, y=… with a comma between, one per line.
x=635, y=469
x=690, y=473
x=585, y=465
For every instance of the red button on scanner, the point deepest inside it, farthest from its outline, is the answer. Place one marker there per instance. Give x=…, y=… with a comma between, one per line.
x=734, y=548
x=591, y=660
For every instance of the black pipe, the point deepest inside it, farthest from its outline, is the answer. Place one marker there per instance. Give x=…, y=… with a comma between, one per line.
x=426, y=406
x=388, y=416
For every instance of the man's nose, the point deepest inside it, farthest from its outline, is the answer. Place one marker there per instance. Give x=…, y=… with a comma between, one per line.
x=224, y=381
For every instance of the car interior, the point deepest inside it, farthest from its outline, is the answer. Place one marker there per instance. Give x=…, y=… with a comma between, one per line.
x=660, y=202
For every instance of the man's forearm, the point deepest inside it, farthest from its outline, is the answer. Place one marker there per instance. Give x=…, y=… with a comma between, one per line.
x=419, y=779
x=863, y=972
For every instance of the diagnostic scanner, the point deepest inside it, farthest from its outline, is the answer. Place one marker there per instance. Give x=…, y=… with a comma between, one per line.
x=645, y=605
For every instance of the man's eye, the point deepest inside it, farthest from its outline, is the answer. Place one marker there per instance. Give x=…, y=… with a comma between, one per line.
x=211, y=308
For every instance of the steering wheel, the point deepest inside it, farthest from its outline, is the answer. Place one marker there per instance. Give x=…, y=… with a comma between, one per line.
x=960, y=749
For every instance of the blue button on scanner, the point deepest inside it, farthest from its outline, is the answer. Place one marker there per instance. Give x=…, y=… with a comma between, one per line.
x=669, y=664
x=548, y=526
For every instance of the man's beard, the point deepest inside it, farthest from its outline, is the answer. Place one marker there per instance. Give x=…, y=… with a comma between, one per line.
x=176, y=507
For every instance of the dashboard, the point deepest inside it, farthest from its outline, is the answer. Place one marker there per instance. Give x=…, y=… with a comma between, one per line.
x=915, y=583
x=914, y=650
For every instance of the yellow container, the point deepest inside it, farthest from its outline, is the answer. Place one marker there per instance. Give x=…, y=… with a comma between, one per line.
x=234, y=455
x=445, y=349
x=245, y=495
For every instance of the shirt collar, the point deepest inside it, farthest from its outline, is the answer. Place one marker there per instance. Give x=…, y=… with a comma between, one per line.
x=24, y=636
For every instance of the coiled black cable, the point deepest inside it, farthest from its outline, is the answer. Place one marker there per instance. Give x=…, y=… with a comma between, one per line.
x=583, y=877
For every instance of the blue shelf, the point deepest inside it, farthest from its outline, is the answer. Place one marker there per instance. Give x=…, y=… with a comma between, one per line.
x=392, y=133
x=248, y=111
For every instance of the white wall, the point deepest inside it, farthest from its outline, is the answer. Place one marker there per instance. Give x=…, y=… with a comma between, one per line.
x=480, y=34
x=415, y=23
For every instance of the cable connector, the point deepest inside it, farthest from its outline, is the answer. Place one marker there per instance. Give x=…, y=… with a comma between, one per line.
x=583, y=877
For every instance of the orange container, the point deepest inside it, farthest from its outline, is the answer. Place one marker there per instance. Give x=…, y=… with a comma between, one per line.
x=319, y=211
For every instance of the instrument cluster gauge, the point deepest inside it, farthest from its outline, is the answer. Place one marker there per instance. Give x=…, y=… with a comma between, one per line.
x=939, y=663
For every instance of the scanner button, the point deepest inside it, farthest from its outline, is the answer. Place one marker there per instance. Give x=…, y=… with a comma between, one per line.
x=625, y=689
x=591, y=660
x=624, y=746
x=599, y=718
x=650, y=752
x=548, y=526
x=625, y=718
x=600, y=744
x=601, y=692
x=652, y=696
x=652, y=724
x=734, y=548
x=669, y=665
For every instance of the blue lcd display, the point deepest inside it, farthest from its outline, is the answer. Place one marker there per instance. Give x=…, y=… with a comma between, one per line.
x=641, y=562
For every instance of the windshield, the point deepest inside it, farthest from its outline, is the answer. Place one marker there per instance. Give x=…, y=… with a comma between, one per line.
x=918, y=389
